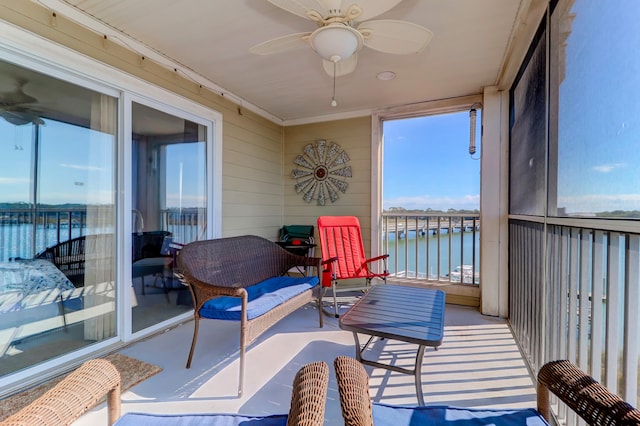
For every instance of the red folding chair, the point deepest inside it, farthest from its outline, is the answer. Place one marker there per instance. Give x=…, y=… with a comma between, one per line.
x=343, y=256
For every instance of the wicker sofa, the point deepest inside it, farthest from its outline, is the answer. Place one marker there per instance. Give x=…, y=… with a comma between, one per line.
x=97, y=378
x=580, y=392
x=246, y=279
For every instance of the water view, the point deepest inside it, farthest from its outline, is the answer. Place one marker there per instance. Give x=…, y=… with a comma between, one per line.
x=444, y=256
x=25, y=241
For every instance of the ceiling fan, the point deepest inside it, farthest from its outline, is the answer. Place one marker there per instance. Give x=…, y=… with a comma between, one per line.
x=15, y=106
x=344, y=28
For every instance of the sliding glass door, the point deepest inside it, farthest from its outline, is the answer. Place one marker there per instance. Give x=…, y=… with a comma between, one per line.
x=57, y=217
x=169, y=206
x=103, y=178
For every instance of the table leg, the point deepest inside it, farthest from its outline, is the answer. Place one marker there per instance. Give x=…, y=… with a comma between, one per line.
x=358, y=350
x=418, y=374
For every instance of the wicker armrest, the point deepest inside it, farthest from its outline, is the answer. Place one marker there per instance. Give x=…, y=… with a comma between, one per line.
x=73, y=396
x=582, y=394
x=353, y=389
x=308, y=397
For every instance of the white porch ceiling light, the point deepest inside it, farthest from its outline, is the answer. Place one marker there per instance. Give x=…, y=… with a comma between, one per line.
x=336, y=41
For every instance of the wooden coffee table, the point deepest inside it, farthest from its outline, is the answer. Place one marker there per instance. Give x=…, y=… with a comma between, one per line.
x=408, y=314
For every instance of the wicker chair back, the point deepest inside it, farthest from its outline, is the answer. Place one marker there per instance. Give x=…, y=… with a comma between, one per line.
x=218, y=261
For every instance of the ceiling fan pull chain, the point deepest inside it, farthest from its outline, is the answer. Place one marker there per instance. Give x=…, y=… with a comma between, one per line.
x=333, y=98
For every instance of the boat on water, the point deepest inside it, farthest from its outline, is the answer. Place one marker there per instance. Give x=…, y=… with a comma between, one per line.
x=465, y=274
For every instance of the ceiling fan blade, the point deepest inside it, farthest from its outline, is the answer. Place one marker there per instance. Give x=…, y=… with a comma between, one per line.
x=301, y=7
x=17, y=97
x=280, y=44
x=370, y=8
x=20, y=118
x=398, y=37
x=342, y=67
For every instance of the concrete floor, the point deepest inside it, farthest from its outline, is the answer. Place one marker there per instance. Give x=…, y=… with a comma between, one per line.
x=478, y=365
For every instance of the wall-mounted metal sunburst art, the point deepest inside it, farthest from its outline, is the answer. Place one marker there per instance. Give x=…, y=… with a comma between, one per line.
x=322, y=173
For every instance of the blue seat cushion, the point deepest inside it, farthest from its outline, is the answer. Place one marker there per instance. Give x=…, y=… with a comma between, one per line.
x=262, y=297
x=141, y=419
x=447, y=415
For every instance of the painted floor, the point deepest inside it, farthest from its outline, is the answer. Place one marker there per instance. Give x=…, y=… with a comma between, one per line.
x=478, y=365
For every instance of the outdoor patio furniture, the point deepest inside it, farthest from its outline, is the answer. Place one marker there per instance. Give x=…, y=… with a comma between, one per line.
x=407, y=314
x=344, y=258
x=91, y=382
x=581, y=393
x=34, y=291
x=73, y=396
x=70, y=256
x=244, y=279
x=147, y=244
x=298, y=239
x=148, y=259
x=308, y=399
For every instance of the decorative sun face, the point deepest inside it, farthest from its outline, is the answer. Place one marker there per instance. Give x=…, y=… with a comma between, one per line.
x=323, y=172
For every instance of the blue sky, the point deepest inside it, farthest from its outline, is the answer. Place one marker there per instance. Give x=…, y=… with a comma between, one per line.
x=599, y=129
x=75, y=164
x=427, y=163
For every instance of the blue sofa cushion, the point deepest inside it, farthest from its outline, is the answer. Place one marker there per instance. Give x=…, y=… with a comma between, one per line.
x=446, y=415
x=141, y=419
x=262, y=297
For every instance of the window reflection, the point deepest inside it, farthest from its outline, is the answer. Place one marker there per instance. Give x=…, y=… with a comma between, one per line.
x=595, y=85
x=57, y=211
x=169, y=209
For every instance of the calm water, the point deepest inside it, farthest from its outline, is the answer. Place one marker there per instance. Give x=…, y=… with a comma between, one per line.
x=17, y=240
x=402, y=253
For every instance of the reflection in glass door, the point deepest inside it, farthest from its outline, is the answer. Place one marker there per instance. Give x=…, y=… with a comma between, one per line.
x=168, y=209
x=57, y=211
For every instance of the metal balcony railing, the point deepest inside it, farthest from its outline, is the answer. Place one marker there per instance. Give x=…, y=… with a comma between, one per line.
x=185, y=225
x=433, y=247
x=24, y=232
x=575, y=294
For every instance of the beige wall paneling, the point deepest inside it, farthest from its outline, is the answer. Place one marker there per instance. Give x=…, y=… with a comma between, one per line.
x=354, y=136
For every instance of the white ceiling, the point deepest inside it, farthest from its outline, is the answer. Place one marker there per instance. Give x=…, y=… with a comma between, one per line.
x=211, y=39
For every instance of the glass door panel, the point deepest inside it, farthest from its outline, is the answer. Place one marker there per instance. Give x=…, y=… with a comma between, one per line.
x=169, y=209
x=57, y=227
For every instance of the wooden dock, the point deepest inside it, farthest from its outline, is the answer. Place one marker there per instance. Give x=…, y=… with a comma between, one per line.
x=431, y=226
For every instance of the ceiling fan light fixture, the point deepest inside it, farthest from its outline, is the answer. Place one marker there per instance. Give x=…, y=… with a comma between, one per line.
x=336, y=42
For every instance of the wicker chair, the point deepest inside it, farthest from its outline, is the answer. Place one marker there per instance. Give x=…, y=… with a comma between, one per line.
x=228, y=267
x=68, y=256
x=88, y=385
x=584, y=395
x=75, y=394
x=581, y=393
x=308, y=399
